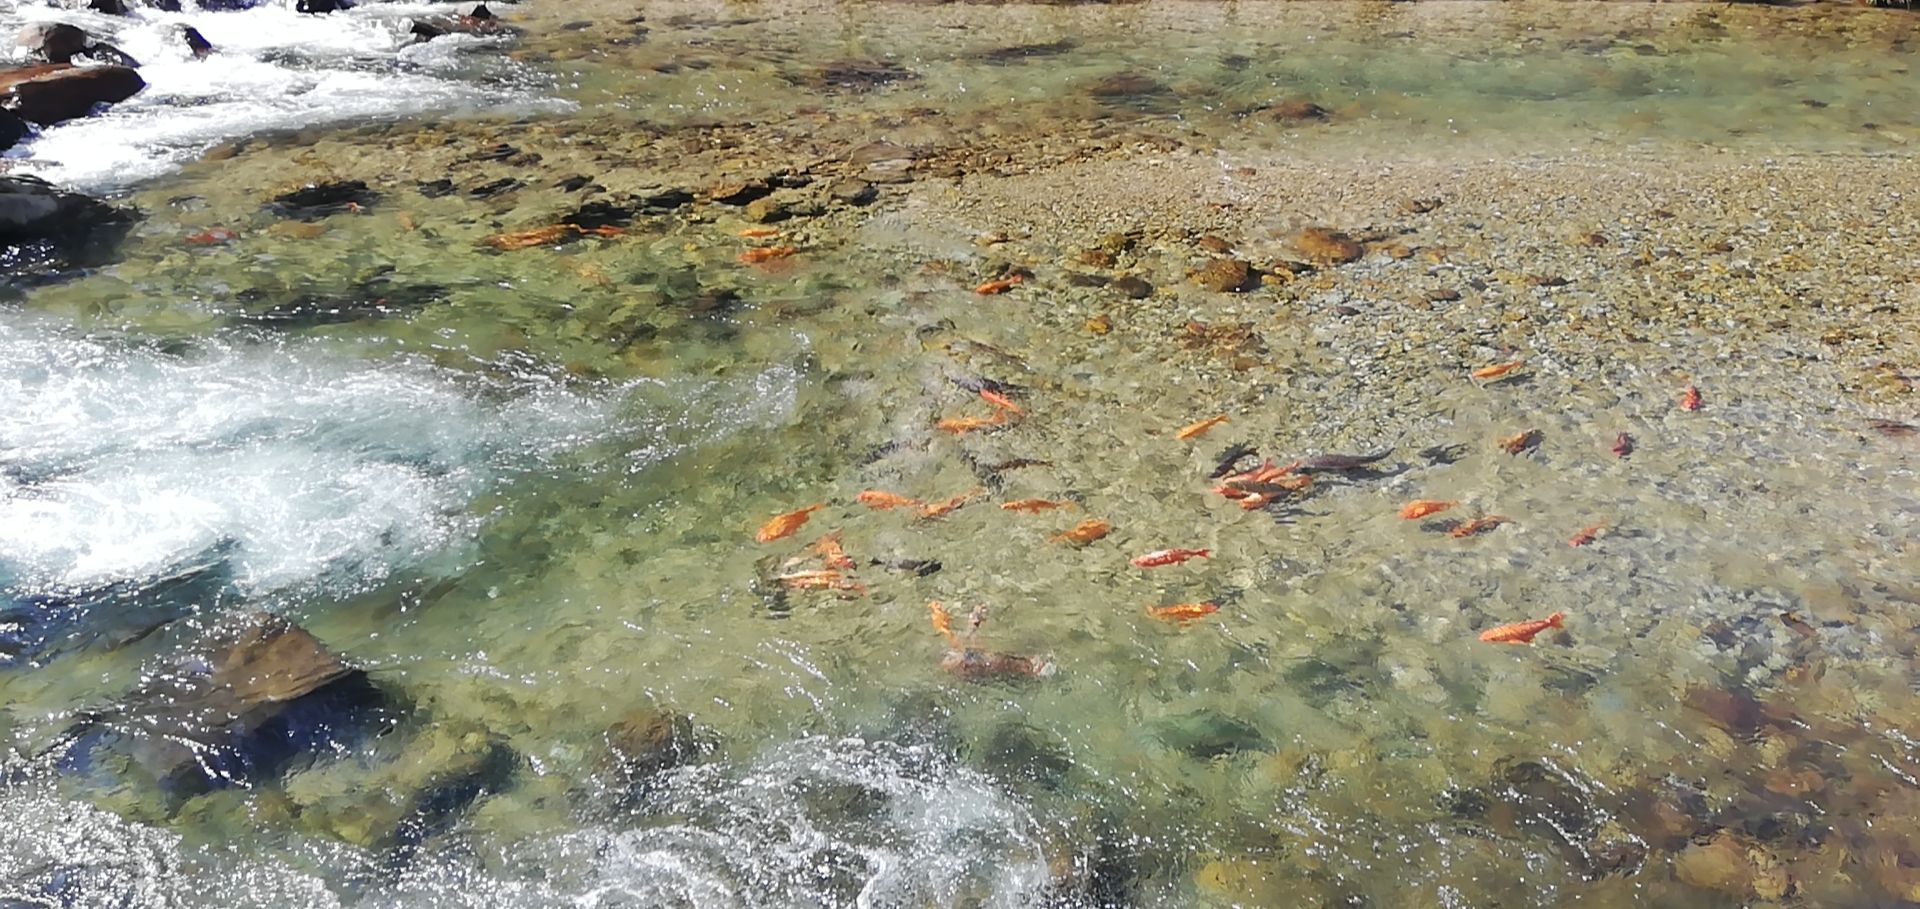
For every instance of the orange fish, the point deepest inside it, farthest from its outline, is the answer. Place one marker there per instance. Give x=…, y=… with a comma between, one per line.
x=938, y=509
x=1196, y=430
x=1497, y=370
x=1255, y=501
x=1084, y=532
x=943, y=621
x=1001, y=401
x=212, y=236
x=539, y=236
x=1690, y=399
x=1000, y=286
x=831, y=552
x=1587, y=535
x=604, y=230
x=784, y=525
x=1520, y=441
x=963, y=425
x=1183, y=612
x=761, y=254
x=1034, y=505
x=1478, y=526
x=1161, y=557
x=1423, y=507
x=882, y=500
x=758, y=233
x=1522, y=632
x=822, y=579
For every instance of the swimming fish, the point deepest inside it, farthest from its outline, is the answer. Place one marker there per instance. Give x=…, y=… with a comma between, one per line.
x=212, y=236
x=1622, y=445
x=1497, y=370
x=882, y=500
x=1690, y=399
x=1587, y=535
x=999, y=286
x=1034, y=505
x=830, y=552
x=823, y=579
x=1183, y=612
x=943, y=621
x=1522, y=632
x=1893, y=428
x=1340, y=461
x=964, y=425
x=1198, y=429
x=784, y=525
x=939, y=509
x=757, y=232
x=1478, y=526
x=761, y=254
x=1084, y=532
x=1001, y=401
x=1230, y=459
x=1520, y=441
x=1423, y=507
x=1161, y=557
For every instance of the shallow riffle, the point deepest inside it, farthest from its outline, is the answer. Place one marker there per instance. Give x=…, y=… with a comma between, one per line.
x=518, y=483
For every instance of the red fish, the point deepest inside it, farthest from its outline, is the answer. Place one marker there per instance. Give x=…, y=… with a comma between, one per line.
x=1622, y=445
x=1001, y=401
x=1183, y=612
x=1498, y=370
x=1000, y=286
x=1522, y=632
x=1478, y=526
x=1420, y=508
x=785, y=524
x=212, y=236
x=1161, y=557
x=1690, y=399
x=1587, y=535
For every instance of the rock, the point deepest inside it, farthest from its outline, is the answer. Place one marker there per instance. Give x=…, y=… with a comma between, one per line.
x=1323, y=245
x=1225, y=275
x=197, y=44
x=321, y=6
x=319, y=200
x=1018, y=751
x=12, y=129
x=259, y=692
x=109, y=7
x=1133, y=287
x=1125, y=85
x=52, y=42
x=43, y=229
x=54, y=92
x=409, y=793
x=1719, y=864
x=853, y=192
x=37, y=628
x=738, y=192
x=650, y=741
x=768, y=210
x=480, y=22
x=1298, y=111
x=106, y=54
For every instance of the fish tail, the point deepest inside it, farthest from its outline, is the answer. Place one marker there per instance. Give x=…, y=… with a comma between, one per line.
x=1557, y=620
x=1204, y=553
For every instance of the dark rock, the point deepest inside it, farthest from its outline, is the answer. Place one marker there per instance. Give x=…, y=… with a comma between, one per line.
x=1020, y=53
x=52, y=42
x=197, y=43
x=236, y=710
x=482, y=23
x=413, y=788
x=54, y=92
x=1207, y=734
x=739, y=192
x=650, y=741
x=319, y=200
x=45, y=230
x=379, y=298
x=110, y=7
x=35, y=629
x=321, y=6
x=480, y=11
x=436, y=188
x=107, y=54
x=12, y=129
x=1133, y=287
x=1224, y=275
x=494, y=188
x=1083, y=279
x=1118, y=86
x=853, y=192
x=573, y=184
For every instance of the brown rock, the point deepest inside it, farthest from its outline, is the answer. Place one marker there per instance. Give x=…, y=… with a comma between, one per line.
x=52, y=42
x=1096, y=258
x=1298, y=111
x=1443, y=295
x=1214, y=244
x=55, y=92
x=853, y=192
x=1324, y=245
x=767, y=210
x=1418, y=206
x=648, y=741
x=1122, y=85
x=1591, y=239
x=1224, y=275
x=738, y=192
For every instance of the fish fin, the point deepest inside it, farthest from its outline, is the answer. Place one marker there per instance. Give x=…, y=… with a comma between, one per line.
x=1557, y=620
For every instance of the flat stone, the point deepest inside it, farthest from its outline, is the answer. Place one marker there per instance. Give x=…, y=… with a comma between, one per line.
x=56, y=92
x=853, y=192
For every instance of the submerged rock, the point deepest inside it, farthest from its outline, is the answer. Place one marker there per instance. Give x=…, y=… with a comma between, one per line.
x=651, y=741
x=859, y=75
x=1207, y=734
x=52, y=42
x=401, y=797
x=237, y=709
x=1226, y=275
x=37, y=628
x=1298, y=111
x=479, y=22
x=1323, y=245
x=55, y=92
x=45, y=229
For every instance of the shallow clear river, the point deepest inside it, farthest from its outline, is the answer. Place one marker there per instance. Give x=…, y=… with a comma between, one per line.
x=515, y=480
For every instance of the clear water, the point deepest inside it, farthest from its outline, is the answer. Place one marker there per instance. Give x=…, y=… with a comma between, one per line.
x=526, y=505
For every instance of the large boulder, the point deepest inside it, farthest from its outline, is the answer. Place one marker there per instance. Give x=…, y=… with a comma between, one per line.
x=52, y=42
x=50, y=93
x=12, y=129
x=44, y=229
x=258, y=693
